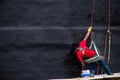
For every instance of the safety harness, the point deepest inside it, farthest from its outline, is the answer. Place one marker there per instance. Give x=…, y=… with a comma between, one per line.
x=82, y=50
x=94, y=58
x=97, y=56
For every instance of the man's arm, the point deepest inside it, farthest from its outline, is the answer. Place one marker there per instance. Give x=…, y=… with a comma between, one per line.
x=83, y=65
x=88, y=33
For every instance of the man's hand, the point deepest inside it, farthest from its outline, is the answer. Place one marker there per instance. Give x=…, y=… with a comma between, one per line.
x=88, y=33
x=90, y=29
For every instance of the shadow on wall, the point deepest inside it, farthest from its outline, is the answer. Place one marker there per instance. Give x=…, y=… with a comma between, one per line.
x=72, y=64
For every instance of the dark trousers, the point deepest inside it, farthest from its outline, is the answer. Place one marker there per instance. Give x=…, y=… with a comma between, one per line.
x=104, y=66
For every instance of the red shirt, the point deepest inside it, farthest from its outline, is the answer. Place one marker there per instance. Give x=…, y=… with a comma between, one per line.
x=88, y=52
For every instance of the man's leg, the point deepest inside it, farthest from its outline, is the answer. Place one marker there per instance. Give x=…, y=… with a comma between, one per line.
x=105, y=67
x=93, y=68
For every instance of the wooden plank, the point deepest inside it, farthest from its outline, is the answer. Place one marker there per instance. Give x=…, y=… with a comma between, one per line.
x=115, y=76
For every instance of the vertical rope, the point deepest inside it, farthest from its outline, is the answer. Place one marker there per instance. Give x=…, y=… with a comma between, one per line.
x=108, y=36
x=105, y=46
x=109, y=43
x=93, y=9
x=92, y=19
x=108, y=14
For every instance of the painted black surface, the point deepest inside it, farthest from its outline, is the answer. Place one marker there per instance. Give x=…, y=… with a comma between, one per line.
x=36, y=37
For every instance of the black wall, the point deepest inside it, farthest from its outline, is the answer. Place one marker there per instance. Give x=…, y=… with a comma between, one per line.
x=36, y=36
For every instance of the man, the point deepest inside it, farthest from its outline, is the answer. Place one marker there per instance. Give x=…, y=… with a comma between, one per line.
x=84, y=51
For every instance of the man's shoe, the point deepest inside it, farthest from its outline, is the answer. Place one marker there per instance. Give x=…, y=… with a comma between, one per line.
x=91, y=75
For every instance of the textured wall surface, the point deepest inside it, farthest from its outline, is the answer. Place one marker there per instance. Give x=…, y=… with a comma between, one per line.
x=36, y=36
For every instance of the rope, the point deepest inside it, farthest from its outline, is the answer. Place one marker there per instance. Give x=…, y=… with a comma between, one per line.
x=109, y=31
x=92, y=16
x=108, y=36
x=108, y=14
x=105, y=45
x=92, y=19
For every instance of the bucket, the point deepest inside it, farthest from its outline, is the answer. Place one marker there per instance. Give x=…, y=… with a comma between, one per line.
x=85, y=73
